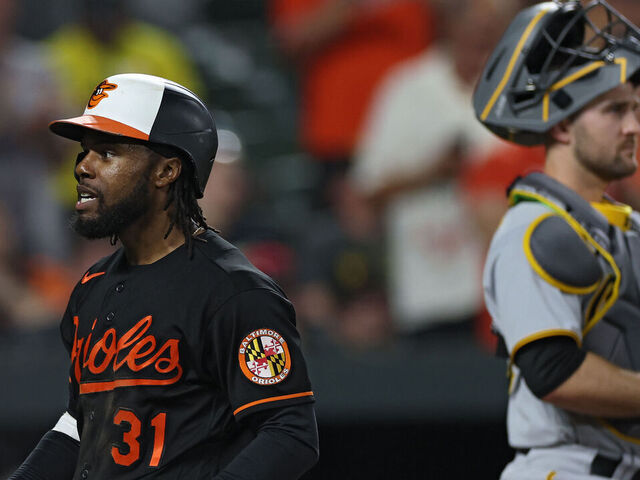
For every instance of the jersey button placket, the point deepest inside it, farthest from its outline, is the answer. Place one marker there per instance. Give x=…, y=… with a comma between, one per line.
x=120, y=287
x=110, y=316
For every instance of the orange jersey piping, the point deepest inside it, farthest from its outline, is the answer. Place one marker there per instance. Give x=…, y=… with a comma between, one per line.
x=272, y=399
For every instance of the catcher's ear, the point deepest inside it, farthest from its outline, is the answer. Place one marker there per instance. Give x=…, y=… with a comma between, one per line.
x=561, y=132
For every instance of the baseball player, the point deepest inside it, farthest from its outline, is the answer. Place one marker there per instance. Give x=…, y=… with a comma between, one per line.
x=185, y=359
x=562, y=275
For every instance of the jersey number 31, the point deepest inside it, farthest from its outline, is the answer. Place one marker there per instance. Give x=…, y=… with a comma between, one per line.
x=130, y=437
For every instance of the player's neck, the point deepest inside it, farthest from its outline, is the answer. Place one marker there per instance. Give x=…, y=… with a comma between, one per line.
x=568, y=171
x=144, y=241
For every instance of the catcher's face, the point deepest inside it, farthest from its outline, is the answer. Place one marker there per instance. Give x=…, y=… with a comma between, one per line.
x=604, y=135
x=114, y=187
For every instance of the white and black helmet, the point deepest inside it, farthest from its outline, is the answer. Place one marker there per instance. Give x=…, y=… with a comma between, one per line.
x=554, y=58
x=154, y=110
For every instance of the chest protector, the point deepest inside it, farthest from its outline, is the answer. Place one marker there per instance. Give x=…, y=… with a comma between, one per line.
x=611, y=305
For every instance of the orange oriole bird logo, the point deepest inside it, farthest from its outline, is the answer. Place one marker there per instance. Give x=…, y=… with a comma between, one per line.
x=100, y=92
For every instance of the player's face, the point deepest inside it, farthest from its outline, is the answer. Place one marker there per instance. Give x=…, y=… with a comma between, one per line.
x=113, y=186
x=605, y=134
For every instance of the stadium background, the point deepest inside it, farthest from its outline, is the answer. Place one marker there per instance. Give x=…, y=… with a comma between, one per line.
x=392, y=402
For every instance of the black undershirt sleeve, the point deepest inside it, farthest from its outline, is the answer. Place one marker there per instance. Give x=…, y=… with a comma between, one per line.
x=547, y=363
x=285, y=446
x=54, y=458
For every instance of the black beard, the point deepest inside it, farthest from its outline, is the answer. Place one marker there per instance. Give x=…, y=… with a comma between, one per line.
x=115, y=218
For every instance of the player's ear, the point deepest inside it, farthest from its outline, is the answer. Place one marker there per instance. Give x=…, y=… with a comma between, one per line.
x=167, y=171
x=561, y=132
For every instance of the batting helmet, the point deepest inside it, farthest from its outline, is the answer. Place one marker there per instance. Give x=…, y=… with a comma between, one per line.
x=554, y=59
x=154, y=110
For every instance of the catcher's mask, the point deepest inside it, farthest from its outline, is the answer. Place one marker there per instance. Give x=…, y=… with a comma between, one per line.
x=554, y=58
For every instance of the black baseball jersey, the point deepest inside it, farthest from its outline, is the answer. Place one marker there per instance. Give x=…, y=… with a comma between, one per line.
x=167, y=358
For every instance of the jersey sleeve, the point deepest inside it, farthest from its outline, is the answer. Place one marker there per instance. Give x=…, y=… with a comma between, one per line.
x=523, y=305
x=257, y=354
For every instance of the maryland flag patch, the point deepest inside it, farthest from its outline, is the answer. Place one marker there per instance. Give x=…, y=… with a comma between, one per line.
x=264, y=357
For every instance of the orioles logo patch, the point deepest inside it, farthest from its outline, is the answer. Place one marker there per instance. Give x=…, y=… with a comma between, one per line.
x=100, y=92
x=264, y=357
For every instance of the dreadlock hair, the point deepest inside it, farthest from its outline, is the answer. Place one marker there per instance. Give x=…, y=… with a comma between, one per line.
x=186, y=214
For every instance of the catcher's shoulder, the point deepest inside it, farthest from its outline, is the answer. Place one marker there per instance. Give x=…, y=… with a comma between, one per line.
x=534, y=234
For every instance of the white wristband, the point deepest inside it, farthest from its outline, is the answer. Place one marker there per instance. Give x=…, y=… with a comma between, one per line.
x=68, y=425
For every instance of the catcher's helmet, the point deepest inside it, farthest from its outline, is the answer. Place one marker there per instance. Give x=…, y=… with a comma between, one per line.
x=154, y=110
x=554, y=58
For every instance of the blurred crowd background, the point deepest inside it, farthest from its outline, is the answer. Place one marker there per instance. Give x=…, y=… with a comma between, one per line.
x=351, y=169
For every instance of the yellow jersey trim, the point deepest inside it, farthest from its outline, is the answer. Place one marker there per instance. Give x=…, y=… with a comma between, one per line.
x=564, y=287
x=553, y=332
x=512, y=63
